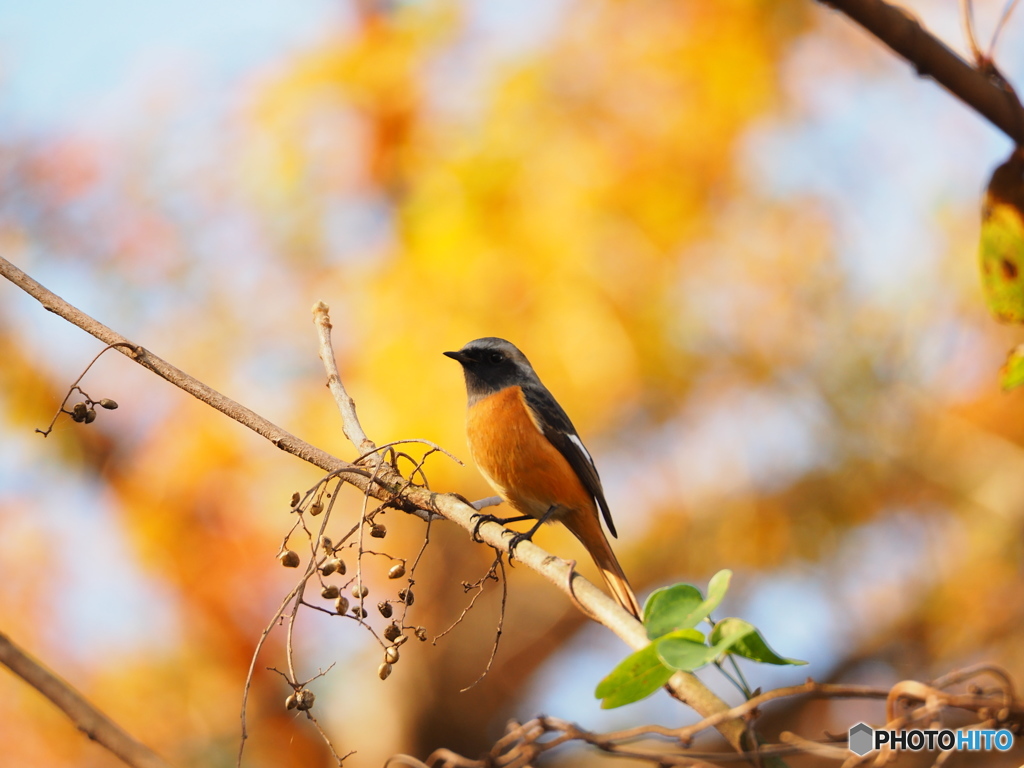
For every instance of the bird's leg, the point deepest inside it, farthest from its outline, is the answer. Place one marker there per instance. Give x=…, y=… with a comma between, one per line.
x=481, y=519
x=519, y=538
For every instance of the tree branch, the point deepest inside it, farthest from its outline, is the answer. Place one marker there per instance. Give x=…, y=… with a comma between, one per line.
x=93, y=723
x=387, y=484
x=284, y=440
x=983, y=91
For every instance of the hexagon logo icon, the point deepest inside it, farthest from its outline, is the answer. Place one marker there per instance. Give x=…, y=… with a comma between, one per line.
x=862, y=739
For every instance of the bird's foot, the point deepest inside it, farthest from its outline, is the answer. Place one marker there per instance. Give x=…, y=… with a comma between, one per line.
x=517, y=539
x=481, y=519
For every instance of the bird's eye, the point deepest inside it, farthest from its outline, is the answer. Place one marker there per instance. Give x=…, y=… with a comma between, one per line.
x=496, y=357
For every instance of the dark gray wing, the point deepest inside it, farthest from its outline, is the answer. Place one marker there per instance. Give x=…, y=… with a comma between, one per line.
x=559, y=430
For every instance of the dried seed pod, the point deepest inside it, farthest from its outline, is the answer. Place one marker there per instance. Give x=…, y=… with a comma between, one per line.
x=384, y=671
x=341, y=566
x=360, y=591
x=291, y=702
x=391, y=654
x=78, y=412
x=397, y=571
x=400, y=640
x=393, y=632
x=378, y=531
x=90, y=416
x=341, y=605
x=295, y=499
x=421, y=634
x=385, y=609
x=406, y=596
x=330, y=567
x=289, y=559
x=109, y=404
x=304, y=700
x=329, y=592
x=359, y=612
x=328, y=544
x=316, y=508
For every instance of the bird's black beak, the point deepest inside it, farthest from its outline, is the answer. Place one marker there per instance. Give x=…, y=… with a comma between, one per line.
x=460, y=356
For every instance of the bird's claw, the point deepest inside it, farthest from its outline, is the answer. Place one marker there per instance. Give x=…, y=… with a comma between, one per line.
x=480, y=520
x=515, y=541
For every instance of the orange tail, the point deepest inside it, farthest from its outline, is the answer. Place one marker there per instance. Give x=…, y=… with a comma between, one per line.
x=587, y=528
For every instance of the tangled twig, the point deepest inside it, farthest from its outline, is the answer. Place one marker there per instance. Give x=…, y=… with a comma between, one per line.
x=995, y=708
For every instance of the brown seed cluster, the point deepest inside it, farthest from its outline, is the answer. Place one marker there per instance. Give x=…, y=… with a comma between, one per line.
x=85, y=412
x=301, y=700
x=329, y=564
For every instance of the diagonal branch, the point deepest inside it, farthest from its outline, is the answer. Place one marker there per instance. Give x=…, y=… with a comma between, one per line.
x=387, y=484
x=89, y=720
x=287, y=442
x=983, y=91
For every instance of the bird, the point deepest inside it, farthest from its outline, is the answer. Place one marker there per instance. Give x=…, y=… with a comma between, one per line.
x=527, y=449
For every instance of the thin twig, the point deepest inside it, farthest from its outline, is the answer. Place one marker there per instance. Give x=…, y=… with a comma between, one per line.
x=419, y=440
x=967, y=19
x=252, y=667
x=523, y=743
x=478, y=587
x=74, y=386
x=346, y=405
x=339, y=759
x=498, y=630
x=406, y=760
x=1007, y=12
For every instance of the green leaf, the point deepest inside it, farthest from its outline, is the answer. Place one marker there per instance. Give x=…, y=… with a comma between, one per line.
x=636, y=677
x=671, y=608
x=1002, y=241
x=685, y=650
x=682, y=606
x=743, y=639
x=680, y=652
x=1011, y=375
x=717, y=588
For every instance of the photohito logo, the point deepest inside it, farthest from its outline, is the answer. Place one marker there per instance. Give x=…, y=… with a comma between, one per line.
x=863, y=738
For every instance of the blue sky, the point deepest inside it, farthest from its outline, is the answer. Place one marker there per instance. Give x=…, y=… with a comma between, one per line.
x=61, y=58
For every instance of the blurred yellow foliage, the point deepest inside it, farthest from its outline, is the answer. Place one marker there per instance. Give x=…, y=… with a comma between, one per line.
x=584, y=196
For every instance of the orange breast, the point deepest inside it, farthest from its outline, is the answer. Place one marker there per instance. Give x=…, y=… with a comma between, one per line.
x=520, y=463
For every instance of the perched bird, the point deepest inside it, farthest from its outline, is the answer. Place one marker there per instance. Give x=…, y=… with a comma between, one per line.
x=527, y=449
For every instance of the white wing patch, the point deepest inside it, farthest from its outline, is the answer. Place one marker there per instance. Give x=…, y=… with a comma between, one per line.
x=579, y=444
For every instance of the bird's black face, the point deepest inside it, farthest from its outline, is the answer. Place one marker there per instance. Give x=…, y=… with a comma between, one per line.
x=490, y=365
